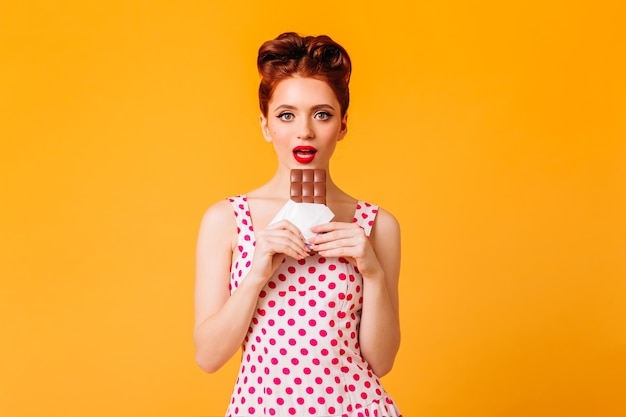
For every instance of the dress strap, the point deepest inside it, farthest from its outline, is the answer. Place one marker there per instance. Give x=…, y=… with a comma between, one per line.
x=365, y=215
x=245, y=231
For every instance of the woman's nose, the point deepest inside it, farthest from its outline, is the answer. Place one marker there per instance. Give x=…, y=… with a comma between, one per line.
x=305, y=131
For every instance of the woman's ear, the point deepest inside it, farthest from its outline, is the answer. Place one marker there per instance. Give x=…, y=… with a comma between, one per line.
x=344, y=127
x=265, y=128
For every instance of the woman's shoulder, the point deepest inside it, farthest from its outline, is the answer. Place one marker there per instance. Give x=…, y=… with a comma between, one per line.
x=223, y=207
x=219, y=224
x=382, y=215
x=386, y=223
x=220, y=215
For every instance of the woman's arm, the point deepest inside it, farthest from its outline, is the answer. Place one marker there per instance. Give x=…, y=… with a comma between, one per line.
x=222, y=320
x=378, y=260
x=379, y=335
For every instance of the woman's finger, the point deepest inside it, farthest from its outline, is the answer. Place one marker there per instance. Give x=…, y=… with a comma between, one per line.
x=336, y=234
x=285, y=225
x=282, y=241
x=328, y=227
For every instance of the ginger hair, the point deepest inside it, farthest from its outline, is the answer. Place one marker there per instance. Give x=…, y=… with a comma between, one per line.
x=316, y=57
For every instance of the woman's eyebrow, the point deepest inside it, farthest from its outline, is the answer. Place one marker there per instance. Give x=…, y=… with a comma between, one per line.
x=286, y=107
x=322, y=106
x=316, y=107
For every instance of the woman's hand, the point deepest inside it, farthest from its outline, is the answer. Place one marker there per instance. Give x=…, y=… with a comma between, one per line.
x=347, y=240
x=272, y=245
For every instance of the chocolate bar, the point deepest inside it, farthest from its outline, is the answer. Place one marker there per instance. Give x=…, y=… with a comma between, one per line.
x=308, y=186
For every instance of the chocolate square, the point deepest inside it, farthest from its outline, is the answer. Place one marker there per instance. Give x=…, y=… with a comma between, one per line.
x=308, y=186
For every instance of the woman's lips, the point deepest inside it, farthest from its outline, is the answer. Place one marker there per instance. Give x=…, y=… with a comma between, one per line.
x=304, y=154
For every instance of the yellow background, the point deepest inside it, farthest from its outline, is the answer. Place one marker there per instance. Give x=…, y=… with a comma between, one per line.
x=494, y=131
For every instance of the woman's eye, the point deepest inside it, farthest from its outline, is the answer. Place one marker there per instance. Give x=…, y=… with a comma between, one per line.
x=322, y=115
x=285, y=116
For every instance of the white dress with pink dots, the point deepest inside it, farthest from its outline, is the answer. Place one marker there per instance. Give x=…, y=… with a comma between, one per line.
x=301, y=356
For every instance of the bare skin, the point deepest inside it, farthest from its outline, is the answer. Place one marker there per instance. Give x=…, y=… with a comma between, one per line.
x=302, y=111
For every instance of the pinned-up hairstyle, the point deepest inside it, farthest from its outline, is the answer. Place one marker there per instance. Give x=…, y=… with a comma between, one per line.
x=312, y=56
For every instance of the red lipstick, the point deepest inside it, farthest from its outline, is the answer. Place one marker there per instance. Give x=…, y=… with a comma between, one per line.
x=304, y=154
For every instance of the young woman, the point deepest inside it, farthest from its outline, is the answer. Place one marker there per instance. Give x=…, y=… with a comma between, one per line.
x=318, y=320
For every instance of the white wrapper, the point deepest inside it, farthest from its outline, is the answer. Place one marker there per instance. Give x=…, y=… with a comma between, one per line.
x=304, y=216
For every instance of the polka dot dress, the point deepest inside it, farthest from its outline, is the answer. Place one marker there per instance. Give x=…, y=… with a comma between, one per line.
x=301, y=356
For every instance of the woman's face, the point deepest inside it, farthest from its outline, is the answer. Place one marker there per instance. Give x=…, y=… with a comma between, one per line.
x=303, y=123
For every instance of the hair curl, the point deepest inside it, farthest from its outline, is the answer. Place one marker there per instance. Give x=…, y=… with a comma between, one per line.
x=316, y=57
